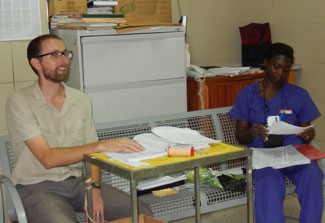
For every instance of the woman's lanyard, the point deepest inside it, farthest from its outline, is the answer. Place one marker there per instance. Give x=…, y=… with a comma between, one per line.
x=284, y=105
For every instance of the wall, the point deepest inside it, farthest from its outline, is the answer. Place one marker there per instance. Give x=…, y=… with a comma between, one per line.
x=214, y=38
x=15, y=70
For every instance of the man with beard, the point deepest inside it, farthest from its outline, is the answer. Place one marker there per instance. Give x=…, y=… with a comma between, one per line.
x=51, y=129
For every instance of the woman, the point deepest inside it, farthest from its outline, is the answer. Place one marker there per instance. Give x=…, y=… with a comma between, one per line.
x=274, y=97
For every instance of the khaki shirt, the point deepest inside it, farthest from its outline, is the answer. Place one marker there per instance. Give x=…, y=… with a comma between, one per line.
x=29, y=115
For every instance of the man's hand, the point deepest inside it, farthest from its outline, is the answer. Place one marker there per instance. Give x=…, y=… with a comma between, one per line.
x=124, y=145
x=98, y=205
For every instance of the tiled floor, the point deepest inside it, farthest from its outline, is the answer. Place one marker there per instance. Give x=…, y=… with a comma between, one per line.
x=239, y=215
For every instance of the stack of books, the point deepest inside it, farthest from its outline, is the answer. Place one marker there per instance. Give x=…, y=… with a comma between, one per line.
x=101, y=6
x=86, y=21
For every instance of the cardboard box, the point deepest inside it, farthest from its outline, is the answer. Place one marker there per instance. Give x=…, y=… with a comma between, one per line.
x=142, y=219
x=65, y=7
x=145, y=11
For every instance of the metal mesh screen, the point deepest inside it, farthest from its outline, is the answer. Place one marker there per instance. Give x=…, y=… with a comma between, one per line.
x=228, y=128
x=162, y=206
x=203, y=124
x=10, y=156
x=216, y=195
x=125, y=131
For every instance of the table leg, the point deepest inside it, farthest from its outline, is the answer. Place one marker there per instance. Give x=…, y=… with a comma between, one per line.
x=197, y=195
x=134, y=200
x=249, y=190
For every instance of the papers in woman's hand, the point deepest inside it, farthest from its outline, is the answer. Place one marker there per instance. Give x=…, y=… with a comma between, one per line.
x=283, y=128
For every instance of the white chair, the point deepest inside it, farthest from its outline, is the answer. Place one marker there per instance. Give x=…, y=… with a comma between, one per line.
x=14, y=206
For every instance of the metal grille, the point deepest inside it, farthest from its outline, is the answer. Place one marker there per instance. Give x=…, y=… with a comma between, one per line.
x=228, y=128
x=236, y=163
x=125, y=131
x=81, y=217
x=10, y=156
x=162, y=206
x=216, y=195
x=203, y=124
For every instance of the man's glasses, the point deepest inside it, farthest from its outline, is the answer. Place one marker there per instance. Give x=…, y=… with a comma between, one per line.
x=57, y=55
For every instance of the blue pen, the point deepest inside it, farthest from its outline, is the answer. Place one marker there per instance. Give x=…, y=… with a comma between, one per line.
x=281, y=116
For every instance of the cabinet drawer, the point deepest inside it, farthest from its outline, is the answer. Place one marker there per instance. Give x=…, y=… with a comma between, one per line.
x=132, y=58
x=138, y=101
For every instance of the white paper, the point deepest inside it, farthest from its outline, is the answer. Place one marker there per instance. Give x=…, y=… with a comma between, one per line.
x=182, y=135
x=278, y=157
x=154, y=146
x=20, y=19
x=161, y=181
x=283, y=128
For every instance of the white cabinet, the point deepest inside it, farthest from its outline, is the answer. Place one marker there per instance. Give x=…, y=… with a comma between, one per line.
x=129, y=75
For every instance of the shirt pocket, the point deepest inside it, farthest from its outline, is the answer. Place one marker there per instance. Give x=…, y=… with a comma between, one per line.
x=75, y=130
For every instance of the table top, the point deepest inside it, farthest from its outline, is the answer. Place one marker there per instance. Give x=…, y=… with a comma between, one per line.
x=218, y=152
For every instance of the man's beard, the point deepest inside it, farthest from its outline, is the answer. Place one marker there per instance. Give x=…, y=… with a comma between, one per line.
x=55, y=76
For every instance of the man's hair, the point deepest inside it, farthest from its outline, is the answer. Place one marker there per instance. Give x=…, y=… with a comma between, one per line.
x=279, y=49
x=34, y=47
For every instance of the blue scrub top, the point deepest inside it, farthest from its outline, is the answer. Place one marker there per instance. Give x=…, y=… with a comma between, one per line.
x=251, y=107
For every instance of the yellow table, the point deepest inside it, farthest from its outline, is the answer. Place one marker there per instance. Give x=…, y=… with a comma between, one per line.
x=219, y=152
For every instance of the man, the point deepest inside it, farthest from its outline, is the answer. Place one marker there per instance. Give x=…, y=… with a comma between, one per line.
x=51, y=129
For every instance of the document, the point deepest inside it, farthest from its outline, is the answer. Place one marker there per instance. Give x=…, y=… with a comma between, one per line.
x=20, y=19
x=160, y=182
x=183, y=136
x=283, y=128
x=156, y=143
x=278, y=157
x=154, y=146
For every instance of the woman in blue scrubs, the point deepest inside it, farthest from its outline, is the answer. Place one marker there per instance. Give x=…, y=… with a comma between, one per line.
x=292, y=104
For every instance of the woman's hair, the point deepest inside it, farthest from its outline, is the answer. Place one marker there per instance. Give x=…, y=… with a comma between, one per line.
x=34, y=47
x=279, y=49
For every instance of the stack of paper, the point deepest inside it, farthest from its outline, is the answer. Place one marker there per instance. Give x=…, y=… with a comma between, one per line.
x=278, y=157
x=155, y=144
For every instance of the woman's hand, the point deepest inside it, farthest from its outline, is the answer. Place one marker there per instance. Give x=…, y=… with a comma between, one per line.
x=98, y=205
x=307, y=135
x=258, y=130
x=246, y=134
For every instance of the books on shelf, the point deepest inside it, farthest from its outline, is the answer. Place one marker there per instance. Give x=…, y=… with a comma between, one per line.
x=100, y=10
x=104, y=20
x=86, y=21
x=105, y=2
x=98, y=18
x=85, y=26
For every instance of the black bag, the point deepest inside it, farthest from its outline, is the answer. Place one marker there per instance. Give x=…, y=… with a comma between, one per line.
x=230, y=183
x=256, y=38
x=273, y=141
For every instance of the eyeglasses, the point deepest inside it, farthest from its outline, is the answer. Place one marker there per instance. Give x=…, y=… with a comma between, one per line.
x=57, y=55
